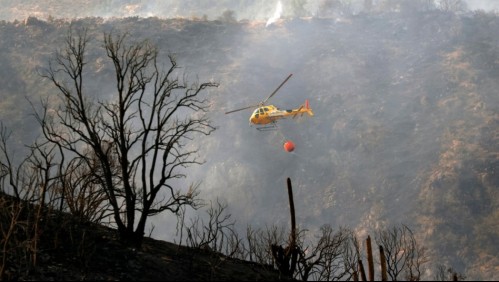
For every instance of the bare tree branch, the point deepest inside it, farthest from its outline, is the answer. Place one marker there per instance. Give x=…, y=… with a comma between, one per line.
x=135, y=143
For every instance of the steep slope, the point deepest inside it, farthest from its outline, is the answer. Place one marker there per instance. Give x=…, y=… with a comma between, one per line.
x=405, y=127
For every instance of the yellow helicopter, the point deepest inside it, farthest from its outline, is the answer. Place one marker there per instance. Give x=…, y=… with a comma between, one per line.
x=264, y=115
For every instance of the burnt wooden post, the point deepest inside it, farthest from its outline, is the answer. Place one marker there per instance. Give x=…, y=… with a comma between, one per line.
x=281, y=255
x=370, y=260
x=362, y=271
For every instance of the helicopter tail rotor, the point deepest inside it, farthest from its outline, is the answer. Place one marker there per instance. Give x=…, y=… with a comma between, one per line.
x=309, y=110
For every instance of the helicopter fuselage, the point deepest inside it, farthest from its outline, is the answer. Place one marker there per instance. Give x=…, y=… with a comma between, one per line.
x=270, y=113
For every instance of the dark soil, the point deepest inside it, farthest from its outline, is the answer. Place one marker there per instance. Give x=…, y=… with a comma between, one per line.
x=99, y=255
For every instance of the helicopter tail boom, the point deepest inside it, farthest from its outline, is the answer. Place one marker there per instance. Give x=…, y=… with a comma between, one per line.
x=304, y=108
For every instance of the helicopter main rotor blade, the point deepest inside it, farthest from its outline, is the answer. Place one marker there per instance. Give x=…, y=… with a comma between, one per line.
x=277, y=89
x=254, y=106
x=263, y=102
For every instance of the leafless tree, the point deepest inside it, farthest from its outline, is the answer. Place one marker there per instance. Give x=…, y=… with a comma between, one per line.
x=405, y=5
x=13, y=171
x=82, y=195
x=403, y=254
x=444, y=273
x=217, y=233
x=10, y=224
x=31, y=180
x=135, y=143
x=352, y=256
x=259, y=242
x=453, y=5
x=329, y=259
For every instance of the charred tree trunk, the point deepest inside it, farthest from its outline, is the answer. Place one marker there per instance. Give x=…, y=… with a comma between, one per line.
x=293, y=248
x=282, y=256
x=362, y=271
x=370, y=261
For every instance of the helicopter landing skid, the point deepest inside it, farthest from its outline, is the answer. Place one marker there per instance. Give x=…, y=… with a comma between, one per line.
x=267, y=128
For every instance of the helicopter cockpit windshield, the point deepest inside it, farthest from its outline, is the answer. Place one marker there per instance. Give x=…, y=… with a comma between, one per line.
x=261, y=111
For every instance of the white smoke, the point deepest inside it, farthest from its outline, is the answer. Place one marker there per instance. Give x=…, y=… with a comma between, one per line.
x=277, y=14
x=486, y=5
